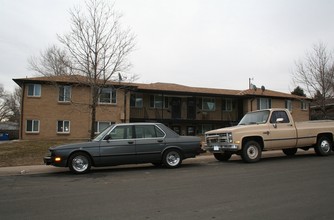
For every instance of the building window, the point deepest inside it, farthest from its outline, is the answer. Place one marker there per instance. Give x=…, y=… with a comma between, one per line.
x=34, y=90
x=158, y=101
x=227, y=105
x=63, y=126
x=107, y=96
x=263, y=103
x=64, y=94
x=288, y=105
x=303, y=105
x=102, y=125
x=208, y=104
x=32, y=126
x=136, y=100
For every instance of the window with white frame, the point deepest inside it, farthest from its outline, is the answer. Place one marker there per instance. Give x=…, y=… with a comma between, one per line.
x=64, y=93
x=102, y=125
x=303, y=105
x=158, y=101
x=288, y=105
x=63, y=127
x=263, y=103
x=107, y=96
x=136, y=100
x=208, y=104
x=32, y=126
x=227, y=105
x=34, y=90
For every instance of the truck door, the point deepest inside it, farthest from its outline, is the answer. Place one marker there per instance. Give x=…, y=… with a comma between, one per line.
x=282, y=132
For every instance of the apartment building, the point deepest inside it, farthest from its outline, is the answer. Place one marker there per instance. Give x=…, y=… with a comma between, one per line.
x=59, y=107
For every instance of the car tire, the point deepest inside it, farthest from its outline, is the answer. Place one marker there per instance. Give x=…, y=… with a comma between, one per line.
x=324, y=146
x=172, y=158
x=222, y=156
x=79, y=163
x=251, y=152
x=290, y=151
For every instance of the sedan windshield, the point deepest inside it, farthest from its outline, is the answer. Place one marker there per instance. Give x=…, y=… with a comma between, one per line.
x=259, y=117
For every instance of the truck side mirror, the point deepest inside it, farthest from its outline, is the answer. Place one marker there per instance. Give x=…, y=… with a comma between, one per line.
x=279, y=120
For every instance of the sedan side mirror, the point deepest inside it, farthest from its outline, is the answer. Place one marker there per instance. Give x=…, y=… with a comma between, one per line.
x=107, y=137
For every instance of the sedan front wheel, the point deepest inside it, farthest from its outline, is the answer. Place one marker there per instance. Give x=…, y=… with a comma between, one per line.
x=79, y=163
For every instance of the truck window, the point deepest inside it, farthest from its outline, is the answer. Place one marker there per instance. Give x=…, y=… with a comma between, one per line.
x=279, y=114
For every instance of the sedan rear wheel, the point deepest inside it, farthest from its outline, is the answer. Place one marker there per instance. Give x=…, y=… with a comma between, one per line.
x=79, y=163
x=172, y=158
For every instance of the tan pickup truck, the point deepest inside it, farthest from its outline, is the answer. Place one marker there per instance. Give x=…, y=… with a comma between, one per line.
x=270, y=129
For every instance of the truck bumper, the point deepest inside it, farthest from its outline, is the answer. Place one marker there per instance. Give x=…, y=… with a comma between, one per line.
x=222, y=148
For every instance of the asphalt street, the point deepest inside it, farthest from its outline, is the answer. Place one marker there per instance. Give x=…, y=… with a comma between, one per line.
x=277, y=187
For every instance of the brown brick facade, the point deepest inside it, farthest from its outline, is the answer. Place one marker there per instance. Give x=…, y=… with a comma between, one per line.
x=187, y=110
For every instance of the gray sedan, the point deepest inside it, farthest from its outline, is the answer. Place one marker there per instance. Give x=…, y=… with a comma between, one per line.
x=131, y=143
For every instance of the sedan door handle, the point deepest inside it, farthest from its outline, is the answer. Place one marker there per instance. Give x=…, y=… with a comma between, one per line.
x=130, y=142
x=160, y=141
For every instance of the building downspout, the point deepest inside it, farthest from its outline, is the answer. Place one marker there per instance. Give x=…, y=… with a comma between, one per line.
x=21, y=115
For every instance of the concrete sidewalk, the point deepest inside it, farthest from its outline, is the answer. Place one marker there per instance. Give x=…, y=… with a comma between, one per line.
x=33, y=169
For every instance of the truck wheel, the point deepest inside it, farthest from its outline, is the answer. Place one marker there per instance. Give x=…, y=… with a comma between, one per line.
x=223, y=156
x=323, y=147
x=251, y=152
x=79, y=163
x=290, y=151
x=172, y=158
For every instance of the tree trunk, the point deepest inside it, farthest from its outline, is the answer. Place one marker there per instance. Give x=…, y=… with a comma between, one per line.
x=95, y=98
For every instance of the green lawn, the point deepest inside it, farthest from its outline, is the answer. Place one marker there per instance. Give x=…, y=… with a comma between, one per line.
x=20, y=153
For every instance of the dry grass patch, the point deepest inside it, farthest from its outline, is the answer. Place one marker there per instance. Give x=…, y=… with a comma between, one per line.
x=21, y=153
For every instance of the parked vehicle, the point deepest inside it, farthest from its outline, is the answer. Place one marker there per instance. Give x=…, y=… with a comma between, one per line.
x=271, y=129
x=131, y=143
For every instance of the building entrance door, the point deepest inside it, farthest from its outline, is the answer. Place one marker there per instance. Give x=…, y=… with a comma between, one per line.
x=191, y=108
x=176, y=108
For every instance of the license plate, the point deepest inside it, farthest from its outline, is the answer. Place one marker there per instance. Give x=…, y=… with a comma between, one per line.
x=216, y=148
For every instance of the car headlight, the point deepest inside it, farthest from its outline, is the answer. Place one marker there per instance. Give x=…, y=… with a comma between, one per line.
x=229, y=137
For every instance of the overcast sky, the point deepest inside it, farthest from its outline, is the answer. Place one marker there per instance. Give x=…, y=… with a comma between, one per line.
x=203, y=43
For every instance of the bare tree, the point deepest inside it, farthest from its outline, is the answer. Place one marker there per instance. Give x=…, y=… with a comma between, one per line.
x=5, y=111
x=51, y=62
x=14, y=103
x=97, y=47
x=316, y=74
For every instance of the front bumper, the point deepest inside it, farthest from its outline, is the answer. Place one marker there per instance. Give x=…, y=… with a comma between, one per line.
x=47, y=160
x=50, y=160
x=216, y=148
